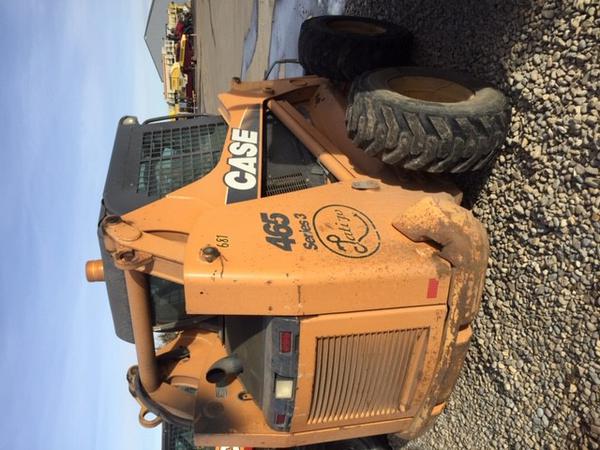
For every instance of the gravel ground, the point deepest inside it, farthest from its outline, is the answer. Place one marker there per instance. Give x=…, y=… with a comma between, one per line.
x=532, y=376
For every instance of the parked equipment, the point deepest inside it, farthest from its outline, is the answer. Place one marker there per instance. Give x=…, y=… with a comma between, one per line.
x=305, y=246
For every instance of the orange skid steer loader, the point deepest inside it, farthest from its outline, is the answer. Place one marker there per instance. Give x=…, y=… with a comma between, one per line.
x=304, y=246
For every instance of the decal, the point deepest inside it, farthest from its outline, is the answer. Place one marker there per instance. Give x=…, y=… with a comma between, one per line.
x=309, y=240
x=432, y=288
x=279, y=232
x=242, y=178
x=222, y=241
x=346, y=231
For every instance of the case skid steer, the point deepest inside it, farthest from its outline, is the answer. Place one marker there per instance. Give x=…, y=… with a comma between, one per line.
x=305, y=246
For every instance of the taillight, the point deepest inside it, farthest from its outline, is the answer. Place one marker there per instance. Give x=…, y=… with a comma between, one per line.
x=285, y=341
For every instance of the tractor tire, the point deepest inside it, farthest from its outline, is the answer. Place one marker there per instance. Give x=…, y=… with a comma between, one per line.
x=427, y=120
x=342, y=47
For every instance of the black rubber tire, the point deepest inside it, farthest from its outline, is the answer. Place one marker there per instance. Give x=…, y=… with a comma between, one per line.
x=425, y=135
x=342, y=55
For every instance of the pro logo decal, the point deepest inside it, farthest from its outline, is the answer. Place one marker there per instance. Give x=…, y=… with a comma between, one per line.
x=242, y=177
x=346, y=231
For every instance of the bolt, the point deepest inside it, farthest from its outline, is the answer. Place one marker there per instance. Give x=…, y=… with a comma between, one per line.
x=244, y=396
x=268, y=90
x=128, y=256
x=209, y=254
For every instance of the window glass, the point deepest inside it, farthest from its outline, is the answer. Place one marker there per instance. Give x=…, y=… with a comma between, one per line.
x=289, y=165
x=168, y=300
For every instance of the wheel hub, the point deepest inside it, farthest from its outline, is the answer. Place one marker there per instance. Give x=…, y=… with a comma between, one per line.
x=430, y=89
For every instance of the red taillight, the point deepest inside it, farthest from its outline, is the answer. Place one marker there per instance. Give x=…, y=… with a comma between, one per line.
x=285, y=341
x=280, y=419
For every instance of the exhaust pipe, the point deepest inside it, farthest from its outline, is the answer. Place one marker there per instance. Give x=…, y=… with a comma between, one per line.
x=224, y=371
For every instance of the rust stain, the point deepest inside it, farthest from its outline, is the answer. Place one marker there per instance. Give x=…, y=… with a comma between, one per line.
x=299, y=291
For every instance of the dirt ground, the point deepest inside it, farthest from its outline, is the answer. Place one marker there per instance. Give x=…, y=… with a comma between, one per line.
x=221, y=27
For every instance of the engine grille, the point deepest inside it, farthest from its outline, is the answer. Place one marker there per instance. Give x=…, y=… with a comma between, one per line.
x=366, y=375
x=285, y=183
x=173, y=157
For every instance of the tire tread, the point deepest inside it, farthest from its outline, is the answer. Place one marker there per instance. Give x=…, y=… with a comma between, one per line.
x=343, y=56
x=418, y=140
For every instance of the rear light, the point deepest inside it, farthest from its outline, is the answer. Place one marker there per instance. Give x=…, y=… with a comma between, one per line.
x=284, y=388
x=268, y=347
x=234, y=448
x=285, y=341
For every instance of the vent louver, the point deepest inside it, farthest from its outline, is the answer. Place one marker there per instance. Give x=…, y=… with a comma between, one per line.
x=285, y=183
x=366, y=375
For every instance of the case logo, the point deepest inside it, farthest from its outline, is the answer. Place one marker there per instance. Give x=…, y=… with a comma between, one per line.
x=242, y=163
x=242, y=177
x=346, y=231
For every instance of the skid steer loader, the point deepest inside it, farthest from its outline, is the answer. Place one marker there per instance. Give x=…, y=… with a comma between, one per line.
x=304, y=246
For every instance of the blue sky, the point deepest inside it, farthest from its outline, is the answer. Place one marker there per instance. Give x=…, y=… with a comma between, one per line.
x=71, y=69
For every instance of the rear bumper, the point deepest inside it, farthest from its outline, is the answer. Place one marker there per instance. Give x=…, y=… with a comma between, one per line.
x=464, y=245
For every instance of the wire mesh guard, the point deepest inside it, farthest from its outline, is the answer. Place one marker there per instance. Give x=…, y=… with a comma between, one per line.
x=178, y=438
x=173, y=157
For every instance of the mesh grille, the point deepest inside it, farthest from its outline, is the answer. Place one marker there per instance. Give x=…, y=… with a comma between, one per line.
x=366, y=375
x=179, y=438
x=285, y=183
x=173, y=157
x=176, y=438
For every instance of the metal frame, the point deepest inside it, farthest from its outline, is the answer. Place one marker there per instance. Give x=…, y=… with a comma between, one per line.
x=277, y=63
